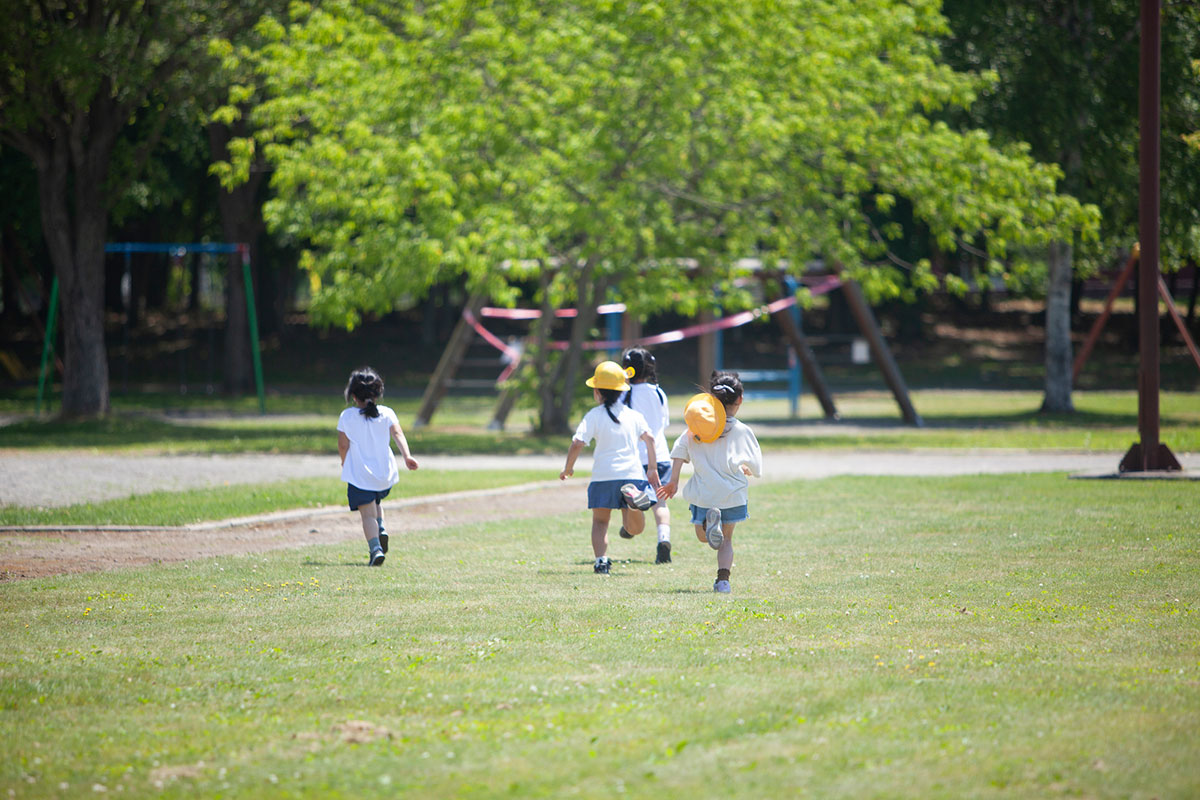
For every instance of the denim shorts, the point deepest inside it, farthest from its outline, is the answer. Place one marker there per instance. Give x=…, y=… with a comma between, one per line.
x=362, y=497
x=735, y=514
x=607, y=494
x=664, y=471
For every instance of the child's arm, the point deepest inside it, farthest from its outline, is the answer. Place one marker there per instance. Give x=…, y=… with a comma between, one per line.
x=668, y=489
x=402, y=443
x=652, y=469
x=343, y=446
x=572, y=454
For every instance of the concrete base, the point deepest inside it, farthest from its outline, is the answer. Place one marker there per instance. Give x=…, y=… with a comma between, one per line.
x=1145, y=475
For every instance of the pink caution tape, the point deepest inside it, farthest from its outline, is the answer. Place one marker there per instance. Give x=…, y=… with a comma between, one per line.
x=733, y=321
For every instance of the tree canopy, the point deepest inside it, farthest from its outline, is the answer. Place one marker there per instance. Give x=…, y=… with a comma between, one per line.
x=617, y=140
x=1067, y=83
x=86, y=91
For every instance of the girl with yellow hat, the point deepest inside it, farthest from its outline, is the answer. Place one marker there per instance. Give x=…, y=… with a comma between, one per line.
x=618, y=479
x=724, y=453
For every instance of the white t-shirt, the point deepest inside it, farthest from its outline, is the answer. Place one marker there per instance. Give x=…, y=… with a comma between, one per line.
x=616, y=453
x=717, y=479
x=369, y=464
x=651, y=402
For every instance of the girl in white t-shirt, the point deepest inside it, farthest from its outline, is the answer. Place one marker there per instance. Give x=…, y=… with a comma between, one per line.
x=618, y=480
x=648, y=399
x=723, y=452
x=365, y=434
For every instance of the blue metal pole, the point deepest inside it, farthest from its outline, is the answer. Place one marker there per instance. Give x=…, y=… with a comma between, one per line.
x=795, y=385
x=613, y=323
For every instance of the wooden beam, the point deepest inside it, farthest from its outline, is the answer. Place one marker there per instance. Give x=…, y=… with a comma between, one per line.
x=1174, y=312
x=1098, y=326
x=707, y=355
x=448, y=364
x=879, y=350
x=813, y=376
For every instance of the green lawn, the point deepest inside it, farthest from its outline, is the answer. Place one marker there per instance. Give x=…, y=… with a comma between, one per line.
x=1013, y=636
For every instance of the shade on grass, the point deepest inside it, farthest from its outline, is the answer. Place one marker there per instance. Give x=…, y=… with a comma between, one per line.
x=1001, y=636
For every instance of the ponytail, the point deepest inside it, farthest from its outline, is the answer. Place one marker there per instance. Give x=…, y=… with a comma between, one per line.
x=644, y=369
x=726, y=387
x=610, y=398
x=366, y=386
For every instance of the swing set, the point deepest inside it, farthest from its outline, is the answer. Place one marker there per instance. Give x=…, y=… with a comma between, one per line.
x=176, y=250
x=624, y=332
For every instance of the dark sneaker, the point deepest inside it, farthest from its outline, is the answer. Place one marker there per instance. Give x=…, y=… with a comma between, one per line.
x=383, y=537
x=377, y=559
x=624, y=533
x=712, y=528
x=663, y=556
x=601, y=566
x=636, y=498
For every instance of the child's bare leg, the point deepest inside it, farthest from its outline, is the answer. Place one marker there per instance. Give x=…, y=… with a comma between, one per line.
x=369, y=513
x=725, y=553
x=700, y=534
x=662, y=514
x=633, y=521
x=600, y=517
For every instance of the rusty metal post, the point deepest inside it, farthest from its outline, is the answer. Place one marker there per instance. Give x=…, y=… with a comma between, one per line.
x=1149, y=453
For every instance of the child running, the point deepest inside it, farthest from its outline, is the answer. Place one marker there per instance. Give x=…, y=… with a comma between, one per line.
x=723, y=451
x=368, y=466
x=618, y=480
x=648, y=399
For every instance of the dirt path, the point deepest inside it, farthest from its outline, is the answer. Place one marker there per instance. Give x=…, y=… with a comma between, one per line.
x=30, y=479
x=35, y=554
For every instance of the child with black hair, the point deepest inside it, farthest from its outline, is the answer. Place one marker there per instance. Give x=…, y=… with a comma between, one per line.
x=365, y=434
x=723, y=452
x=618, y=480
x=647, y=398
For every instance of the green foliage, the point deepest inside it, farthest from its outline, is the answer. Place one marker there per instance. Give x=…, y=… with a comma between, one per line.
x=416, y=142
x=1067, y=83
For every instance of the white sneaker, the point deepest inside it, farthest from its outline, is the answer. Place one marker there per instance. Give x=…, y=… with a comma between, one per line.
x=722, y=587
x=637, y=498
x=712, y=528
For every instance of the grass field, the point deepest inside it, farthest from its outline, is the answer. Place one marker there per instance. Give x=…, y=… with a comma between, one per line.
x=1015, y=636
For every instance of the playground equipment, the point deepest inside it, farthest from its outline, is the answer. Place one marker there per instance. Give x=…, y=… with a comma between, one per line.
x=783, y=309
x=177, y=250
x=1118, y=286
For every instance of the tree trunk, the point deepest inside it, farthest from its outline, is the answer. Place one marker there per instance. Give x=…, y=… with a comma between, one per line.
x=1057, y=396
x=556, y=384
x=71, y=174
x=241, y=222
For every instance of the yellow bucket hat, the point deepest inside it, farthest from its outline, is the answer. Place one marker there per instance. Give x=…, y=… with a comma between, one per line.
x=705, y=417
x=609, y=375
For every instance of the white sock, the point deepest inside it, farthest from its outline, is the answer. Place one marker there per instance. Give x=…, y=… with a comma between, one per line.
x=664, y=533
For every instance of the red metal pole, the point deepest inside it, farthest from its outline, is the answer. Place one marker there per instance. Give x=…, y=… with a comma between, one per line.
x=1149, y=453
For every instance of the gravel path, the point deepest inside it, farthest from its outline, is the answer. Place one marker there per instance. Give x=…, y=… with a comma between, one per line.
x=56, y=479
x=50, y=479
